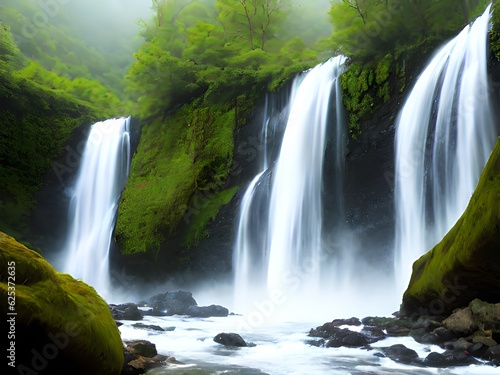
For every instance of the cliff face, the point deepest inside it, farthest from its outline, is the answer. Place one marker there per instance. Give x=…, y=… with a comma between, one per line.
x=465, y=265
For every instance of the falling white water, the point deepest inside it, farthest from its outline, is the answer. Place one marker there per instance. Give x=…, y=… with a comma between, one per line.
x=280, y=249
x=444, y=135
x=103, y=172
x=295, y=214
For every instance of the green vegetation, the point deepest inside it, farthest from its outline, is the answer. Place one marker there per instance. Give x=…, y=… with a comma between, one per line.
x=208, y=210
x=197, y=77
x=57, y=36
x=467, y=255
x=495, y=31
x=189, y=151
x=51, y=303
x=38, y=112
x=381, y=37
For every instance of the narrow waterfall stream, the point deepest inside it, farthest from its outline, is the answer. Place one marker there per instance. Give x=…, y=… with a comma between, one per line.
x=444, y=136
x=101, y=178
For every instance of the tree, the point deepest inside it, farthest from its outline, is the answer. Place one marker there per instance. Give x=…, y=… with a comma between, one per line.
x=254, y=21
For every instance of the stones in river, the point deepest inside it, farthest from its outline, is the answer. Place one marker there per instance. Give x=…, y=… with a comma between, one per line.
x=230, y=339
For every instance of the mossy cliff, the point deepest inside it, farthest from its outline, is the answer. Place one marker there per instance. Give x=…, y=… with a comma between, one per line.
x=178, y=178
x=39, y=110
x=61, y=324
x=465, y=265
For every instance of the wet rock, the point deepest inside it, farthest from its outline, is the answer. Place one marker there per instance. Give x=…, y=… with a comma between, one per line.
x=148, y=326
x=393, y=326
x=141, y=356
x=438, y=336
x=462, y=344
x=477, y=350
x=141, y=348
x=448, y=359
x=344, y=337
x=127, y=311
x=492, y=354
x=171, y=303
x=207, y=311
x=230, y=339
x=373, y=334
x=346, y=322
x=400, y=353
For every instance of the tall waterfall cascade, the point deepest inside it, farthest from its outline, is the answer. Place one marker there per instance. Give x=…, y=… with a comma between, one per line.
x=282, y=246
x=101, y=178
x=444, y=135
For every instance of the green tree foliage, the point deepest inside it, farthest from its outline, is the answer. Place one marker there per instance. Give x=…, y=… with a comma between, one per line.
x=39, y=110
x=367, y=28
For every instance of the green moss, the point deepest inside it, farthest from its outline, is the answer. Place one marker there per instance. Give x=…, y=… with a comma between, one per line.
x=56, y=303
x=210, y=206
x=495, y=30
x=189, y=151
x=366, y=86
x=469, y=250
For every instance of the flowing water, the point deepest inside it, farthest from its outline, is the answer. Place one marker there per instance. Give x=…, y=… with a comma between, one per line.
x=280, y=349
x=445, y=134
x=101, y=178
x=290, y=252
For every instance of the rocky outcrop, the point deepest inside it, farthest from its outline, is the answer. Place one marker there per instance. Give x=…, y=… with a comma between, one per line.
x=465, y=265
x=141, y=356
x=57, y=324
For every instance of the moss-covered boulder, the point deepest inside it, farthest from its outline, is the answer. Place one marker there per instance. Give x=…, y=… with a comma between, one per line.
x=466, y=263
x=55, y=324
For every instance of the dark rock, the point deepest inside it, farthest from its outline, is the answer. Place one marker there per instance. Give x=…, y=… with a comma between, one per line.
x=462, y=344
x=448, y=359
x=141, y=348
x=493, y=353
x=438, y=337
x=345, y=337
x=373, y=334
x=141, y=356
x=147, y=326
x=477, y=350
x=354, y=339
x=230, y=339
x=171, y=303
x=400, y=353
x=127, y=311
x=206, y=311
x=393, y=326
x=348, y=322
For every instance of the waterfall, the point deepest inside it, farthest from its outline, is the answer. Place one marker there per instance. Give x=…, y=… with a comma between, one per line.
x=101, y=178
x=444, y=135
x=279, y=245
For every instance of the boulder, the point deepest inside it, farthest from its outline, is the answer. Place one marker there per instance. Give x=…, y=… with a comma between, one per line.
x=141, y=356
x=478, y=315
x=62, y=325
x=171, y=303
x=126, y=311
x=466, y=263
x=230, y=339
